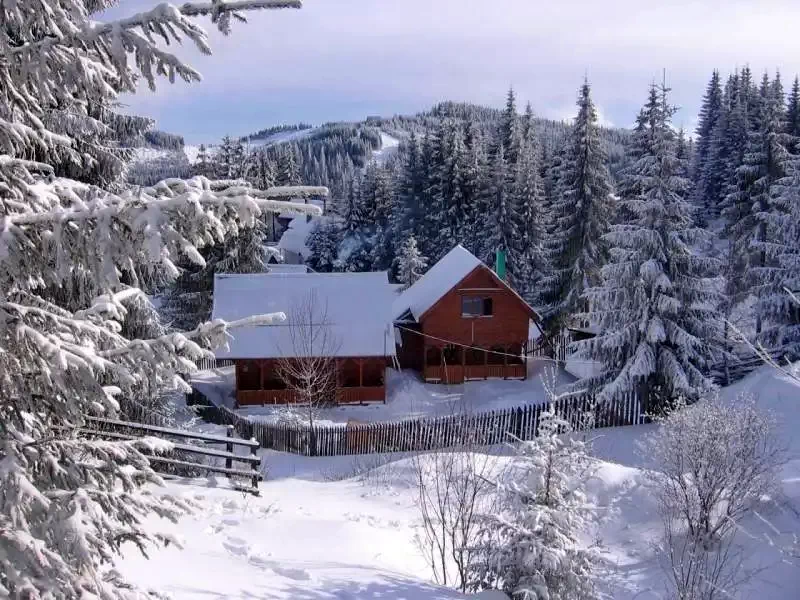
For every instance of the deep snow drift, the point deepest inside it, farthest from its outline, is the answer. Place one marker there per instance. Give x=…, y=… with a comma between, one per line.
x=344, y=527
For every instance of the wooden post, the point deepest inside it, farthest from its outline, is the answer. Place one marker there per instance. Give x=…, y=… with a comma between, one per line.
x=464, y=364
x=505, y=362
x=525, y=361
x=229, y=448
x=256, y=473
x=486, y=364
x=261, y=370
x=361, y=372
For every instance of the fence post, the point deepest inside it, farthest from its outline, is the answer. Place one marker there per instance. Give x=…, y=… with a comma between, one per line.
x=256, y=473
x=229, y=448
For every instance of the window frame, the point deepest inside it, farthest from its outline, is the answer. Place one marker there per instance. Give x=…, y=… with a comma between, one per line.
x=485, y=301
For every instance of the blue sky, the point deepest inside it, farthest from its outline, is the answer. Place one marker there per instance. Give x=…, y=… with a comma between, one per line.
x=346, y=59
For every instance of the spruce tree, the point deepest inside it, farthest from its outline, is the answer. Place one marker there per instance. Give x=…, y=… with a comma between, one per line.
x=530, y=546
x=764, y=164
x=582, y=215
x=323, y=244
x=528, y=256
x=475, y=190
x=655, y=303
x=704, y=176
x=410, y=263
x=502, y=226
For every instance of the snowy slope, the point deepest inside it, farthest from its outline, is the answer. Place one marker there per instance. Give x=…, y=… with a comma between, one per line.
x=282, y=137
x=300, y=539
x=389, y=145
x=344, y=527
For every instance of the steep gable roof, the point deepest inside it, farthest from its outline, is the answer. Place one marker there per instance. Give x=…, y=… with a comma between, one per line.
x=354, y=307
x=440, y=279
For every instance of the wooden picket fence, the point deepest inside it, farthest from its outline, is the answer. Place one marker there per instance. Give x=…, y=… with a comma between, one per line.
x=425, y=434
x=213, y=363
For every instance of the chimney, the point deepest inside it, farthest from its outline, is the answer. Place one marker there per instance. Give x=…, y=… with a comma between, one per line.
x=500, y=264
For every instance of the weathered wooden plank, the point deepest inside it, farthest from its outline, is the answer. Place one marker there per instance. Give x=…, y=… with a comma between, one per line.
x=168, y=431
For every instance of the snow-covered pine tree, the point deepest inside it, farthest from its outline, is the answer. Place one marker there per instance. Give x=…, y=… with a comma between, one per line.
x=510, y=131
x=779, y=310
x=408, y=210
x=655, y=304
x=411, y=264
x=502, y=226
x=704, y=177
x=288, y=166
x=68, y=504
x=226, y=162
x=750, y=205
x=581, y=216
x=528, y=255
x=475, y=190
x=323, y=244
x=204, y=165
x=793, y=115
x=531, y=546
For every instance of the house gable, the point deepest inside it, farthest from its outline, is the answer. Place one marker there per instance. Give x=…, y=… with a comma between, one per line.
x=508, y=323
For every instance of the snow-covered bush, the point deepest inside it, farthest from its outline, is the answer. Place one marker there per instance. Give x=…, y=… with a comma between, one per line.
x=530, y=547
x=712, y=462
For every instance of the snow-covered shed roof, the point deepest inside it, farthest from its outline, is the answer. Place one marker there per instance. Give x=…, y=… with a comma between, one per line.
x=353, y=308
x=440, y=279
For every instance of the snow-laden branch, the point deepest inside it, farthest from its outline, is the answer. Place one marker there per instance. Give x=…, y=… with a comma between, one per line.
x=112, y=204
x=164, y=13
x=210, y=329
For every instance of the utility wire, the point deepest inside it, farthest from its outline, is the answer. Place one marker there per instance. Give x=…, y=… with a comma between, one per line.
x=453, y=343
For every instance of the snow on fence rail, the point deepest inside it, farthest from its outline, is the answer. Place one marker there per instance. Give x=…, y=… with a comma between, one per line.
x=424, y=434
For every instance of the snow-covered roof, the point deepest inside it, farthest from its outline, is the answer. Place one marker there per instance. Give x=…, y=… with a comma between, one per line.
x=353, y=308
x=440, y=279
x=284, y=268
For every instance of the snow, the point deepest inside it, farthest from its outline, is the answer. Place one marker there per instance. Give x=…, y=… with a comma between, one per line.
x=355, y=307
x=407, y=397
x=295, y=236
x=440, y=279
x=217, y=385
x=389, y=145
x=344, y=527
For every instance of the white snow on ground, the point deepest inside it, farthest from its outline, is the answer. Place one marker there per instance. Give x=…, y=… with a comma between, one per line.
x=301, y=539
x=344, y=527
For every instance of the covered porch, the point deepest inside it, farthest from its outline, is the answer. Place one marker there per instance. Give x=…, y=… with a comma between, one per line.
x=359, y=379
x=456, y=364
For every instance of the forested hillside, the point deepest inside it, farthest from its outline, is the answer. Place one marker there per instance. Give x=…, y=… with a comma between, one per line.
x=670, y=245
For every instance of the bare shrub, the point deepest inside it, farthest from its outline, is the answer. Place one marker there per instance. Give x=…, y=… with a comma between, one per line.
x=712, y=462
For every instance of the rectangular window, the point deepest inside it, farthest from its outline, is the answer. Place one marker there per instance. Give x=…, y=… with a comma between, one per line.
x=475, y=306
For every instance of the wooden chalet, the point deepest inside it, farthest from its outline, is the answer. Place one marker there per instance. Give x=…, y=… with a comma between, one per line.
x=462, y=322
x=353, y=310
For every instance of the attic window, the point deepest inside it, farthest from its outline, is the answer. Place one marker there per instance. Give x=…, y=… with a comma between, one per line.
x=475, y=306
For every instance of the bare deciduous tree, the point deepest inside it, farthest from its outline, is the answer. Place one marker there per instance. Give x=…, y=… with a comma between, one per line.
x=712, y=462
x=455, y=488
x=308, y=366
